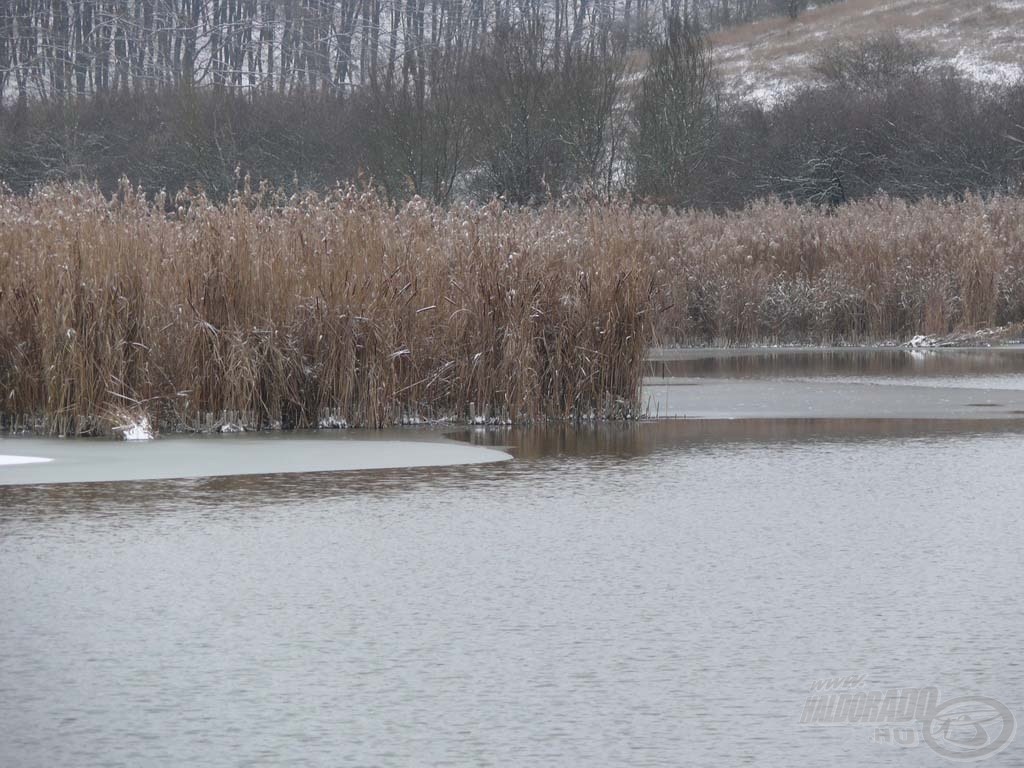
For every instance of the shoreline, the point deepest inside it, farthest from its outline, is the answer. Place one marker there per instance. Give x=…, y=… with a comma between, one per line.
x=233, y=423
x=1003, y=337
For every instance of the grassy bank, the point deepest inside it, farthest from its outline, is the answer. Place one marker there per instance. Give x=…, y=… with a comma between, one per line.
x=271, y=311
x=266, y=312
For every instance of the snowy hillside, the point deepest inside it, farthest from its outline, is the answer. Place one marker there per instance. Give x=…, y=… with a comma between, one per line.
x=984, y=38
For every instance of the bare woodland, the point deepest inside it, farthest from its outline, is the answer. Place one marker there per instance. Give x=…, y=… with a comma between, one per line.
x=457, y=101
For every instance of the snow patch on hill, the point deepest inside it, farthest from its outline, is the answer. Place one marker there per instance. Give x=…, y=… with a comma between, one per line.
x=767, y=59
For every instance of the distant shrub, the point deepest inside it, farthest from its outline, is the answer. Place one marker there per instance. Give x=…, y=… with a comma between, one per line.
x=792, y=8
x=872, y=62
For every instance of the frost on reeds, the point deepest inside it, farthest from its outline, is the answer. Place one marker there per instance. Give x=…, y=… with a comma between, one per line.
x=343, y=310
x=877, y=270
x=271, y=311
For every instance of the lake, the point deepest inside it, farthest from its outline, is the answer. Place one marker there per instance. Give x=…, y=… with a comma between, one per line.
x=659, y=593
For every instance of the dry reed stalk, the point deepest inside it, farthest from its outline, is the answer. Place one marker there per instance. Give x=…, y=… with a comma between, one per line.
x=274, y=312
x=874, y=270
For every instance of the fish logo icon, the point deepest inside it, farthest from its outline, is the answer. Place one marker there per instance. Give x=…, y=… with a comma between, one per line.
x=970, y=728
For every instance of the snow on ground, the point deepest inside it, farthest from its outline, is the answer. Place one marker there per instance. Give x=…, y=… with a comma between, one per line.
x=136, y=430
x=978, y=68
x=332, y=421
x=767, y=59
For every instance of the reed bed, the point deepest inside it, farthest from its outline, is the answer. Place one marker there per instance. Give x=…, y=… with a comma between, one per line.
x=871, y=271
x=334, y=309
x=341, y=309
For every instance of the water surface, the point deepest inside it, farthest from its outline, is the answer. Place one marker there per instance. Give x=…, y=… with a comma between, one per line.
x=630, y=594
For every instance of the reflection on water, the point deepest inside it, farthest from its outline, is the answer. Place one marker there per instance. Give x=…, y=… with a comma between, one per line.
x=632, y=594
x=637, y=439
x=871, y=362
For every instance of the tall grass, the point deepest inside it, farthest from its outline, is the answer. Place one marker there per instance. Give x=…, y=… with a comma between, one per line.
x=268, y=311
x=272, y=311
x=875, y=270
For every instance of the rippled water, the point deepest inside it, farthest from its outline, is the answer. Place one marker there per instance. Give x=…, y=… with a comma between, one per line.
x=641, y=594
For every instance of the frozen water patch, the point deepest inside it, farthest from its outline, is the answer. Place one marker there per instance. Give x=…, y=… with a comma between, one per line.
x=818, y=398
x=1013, y=383
x=9, y=461
x=176, y=457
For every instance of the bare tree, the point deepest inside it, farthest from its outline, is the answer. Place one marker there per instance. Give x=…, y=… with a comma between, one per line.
x=792, y=8
x=674, y=114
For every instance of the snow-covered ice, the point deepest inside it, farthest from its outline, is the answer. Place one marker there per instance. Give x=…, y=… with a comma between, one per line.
x=87, y=460
x=6, y=460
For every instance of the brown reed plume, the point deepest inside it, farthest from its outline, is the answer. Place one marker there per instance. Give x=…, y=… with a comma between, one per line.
x=876, y=270
x=276, y=312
